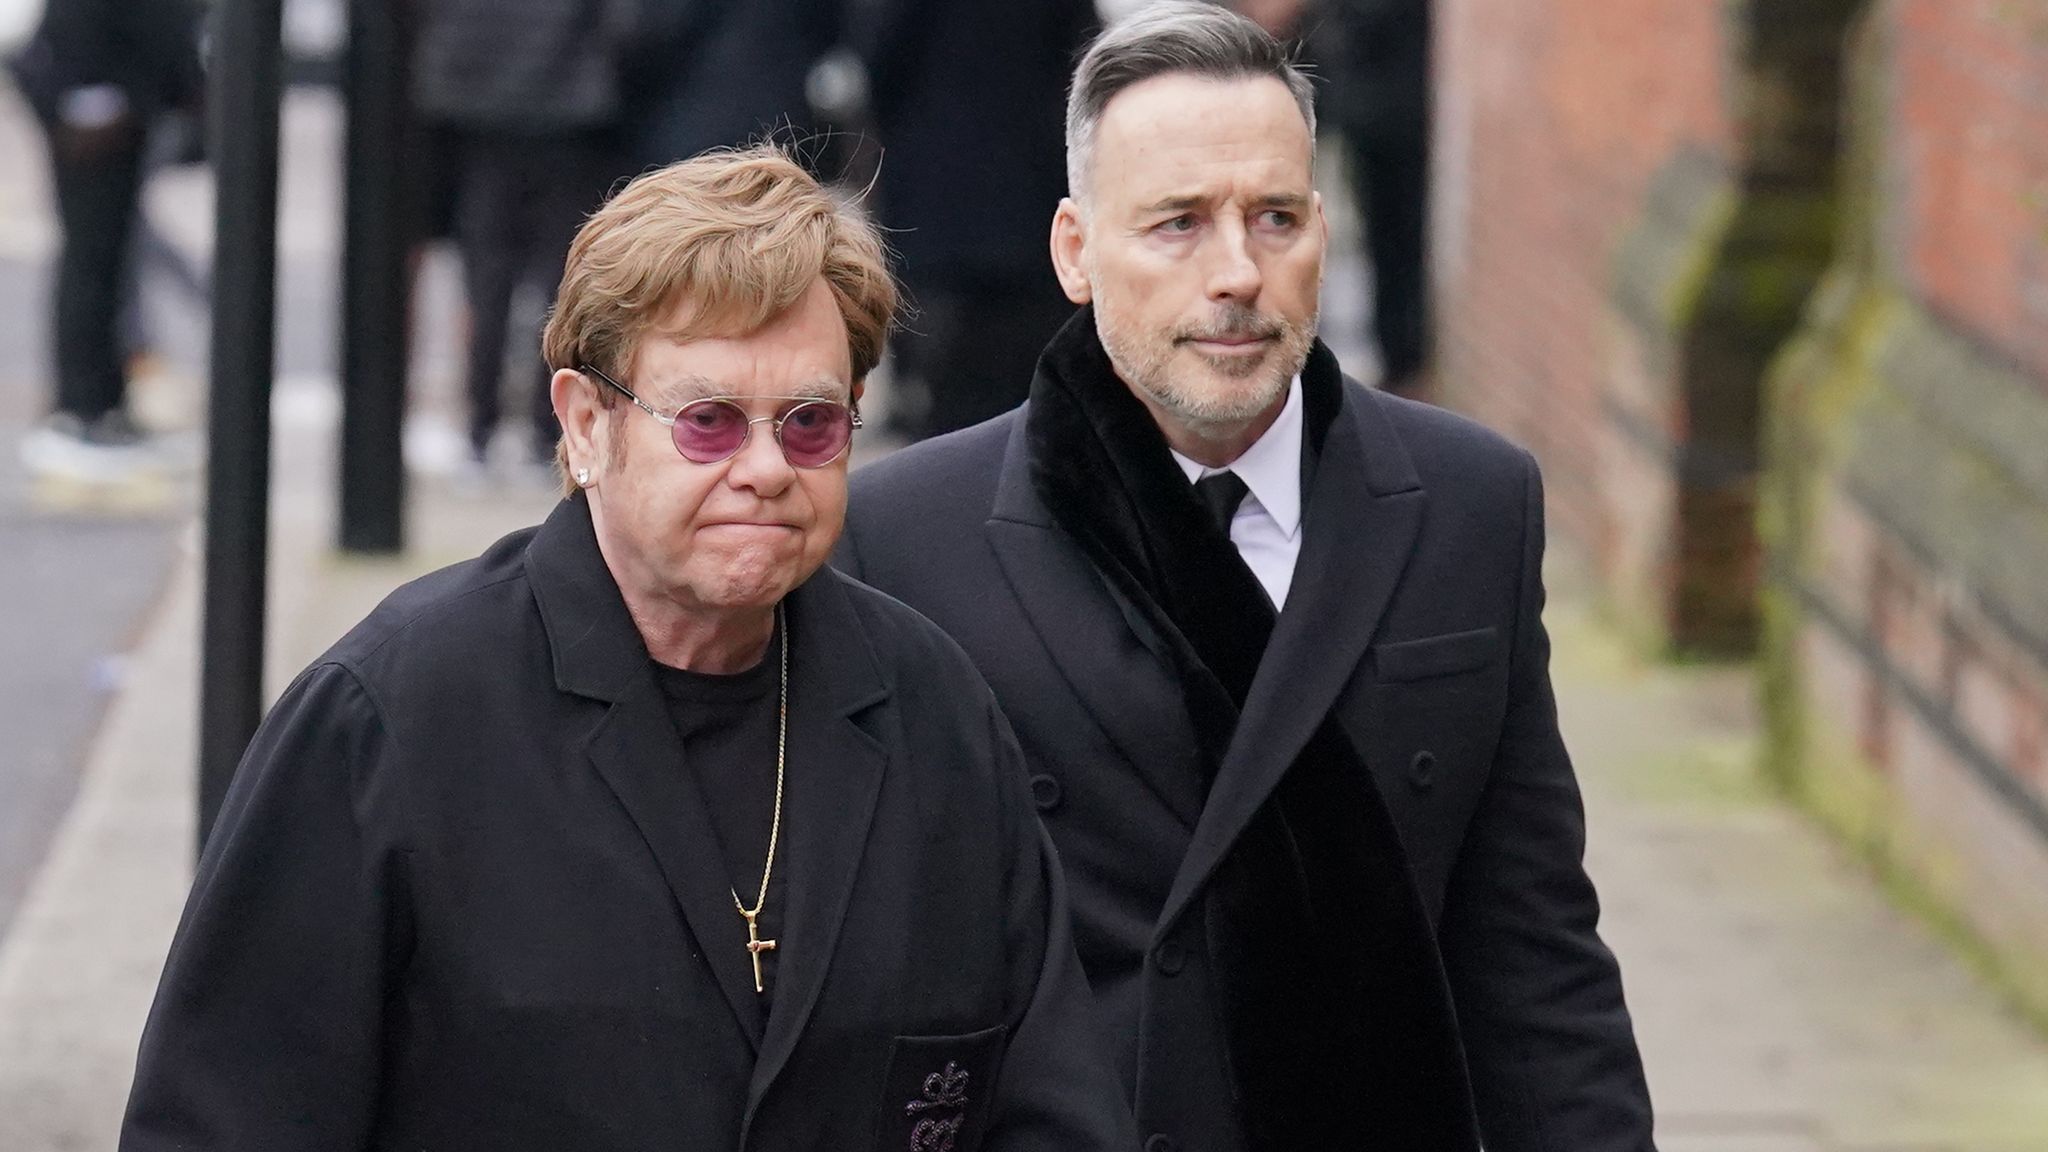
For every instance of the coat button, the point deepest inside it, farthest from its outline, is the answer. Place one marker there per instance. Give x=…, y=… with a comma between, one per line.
x=1161, y=1142
x=1170, y=957
x=1422, y=771
x=1045, y=792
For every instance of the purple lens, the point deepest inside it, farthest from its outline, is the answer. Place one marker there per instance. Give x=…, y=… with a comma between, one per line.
x=708, y=431
x=814, y=433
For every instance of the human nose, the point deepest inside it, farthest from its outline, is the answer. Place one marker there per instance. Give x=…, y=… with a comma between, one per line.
x=759, y=466
x=1233, y=273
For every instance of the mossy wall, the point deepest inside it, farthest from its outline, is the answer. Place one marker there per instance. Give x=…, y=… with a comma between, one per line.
x=1904, y=515
x=1708, y=294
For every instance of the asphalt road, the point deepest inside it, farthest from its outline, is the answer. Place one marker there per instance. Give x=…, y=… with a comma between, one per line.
x=76, y=586
x=79, y=576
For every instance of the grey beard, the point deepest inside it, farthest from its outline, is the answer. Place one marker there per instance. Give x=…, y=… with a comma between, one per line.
x=1218, y=420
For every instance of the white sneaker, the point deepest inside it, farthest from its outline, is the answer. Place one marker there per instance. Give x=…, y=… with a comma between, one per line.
x=110, y=450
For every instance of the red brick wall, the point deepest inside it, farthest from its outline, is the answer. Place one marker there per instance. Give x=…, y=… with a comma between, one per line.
x=1553, y=117
x=1967, y=162
x=1580, y=144
x=1910, y=605
x=1972, y=140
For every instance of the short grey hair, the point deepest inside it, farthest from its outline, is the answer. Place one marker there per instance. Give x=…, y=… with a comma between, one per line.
x=1168, y=38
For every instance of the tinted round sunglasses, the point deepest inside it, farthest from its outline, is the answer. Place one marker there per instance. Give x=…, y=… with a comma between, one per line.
x=811, y=432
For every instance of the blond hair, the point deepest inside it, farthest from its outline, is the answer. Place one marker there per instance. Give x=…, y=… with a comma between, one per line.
x=737, y=235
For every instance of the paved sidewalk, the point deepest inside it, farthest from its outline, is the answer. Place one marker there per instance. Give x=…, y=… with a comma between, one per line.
x=1783, y=1006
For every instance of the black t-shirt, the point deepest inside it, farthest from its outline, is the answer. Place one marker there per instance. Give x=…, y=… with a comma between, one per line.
x=728, y=729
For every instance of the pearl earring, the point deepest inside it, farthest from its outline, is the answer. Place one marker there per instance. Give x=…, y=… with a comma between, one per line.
x=583, y=477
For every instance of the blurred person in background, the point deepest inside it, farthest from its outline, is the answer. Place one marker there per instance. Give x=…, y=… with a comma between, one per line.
x=1374, y=59
x=722, y=74
x=153, y=257
x=177, y=140
x=1376, y=55
x=967, y=98
x=100, y=75
x=530, y=94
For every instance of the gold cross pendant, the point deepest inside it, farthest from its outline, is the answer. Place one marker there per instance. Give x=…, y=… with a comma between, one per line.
x=756, y=946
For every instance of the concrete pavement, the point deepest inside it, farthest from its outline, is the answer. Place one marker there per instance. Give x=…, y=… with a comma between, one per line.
x=1783, y=1005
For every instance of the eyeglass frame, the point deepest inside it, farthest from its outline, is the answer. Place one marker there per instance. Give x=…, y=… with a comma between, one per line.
x=669, y=420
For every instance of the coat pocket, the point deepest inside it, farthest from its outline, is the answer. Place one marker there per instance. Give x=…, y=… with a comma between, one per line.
x=1431, y=656
x=938, y=1092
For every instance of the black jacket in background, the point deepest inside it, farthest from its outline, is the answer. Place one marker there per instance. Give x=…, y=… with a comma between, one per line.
x=150, y=48
x=462, y=896
x=969, y=102
x=1373, y=57
x=520, y=66
x=722, y=73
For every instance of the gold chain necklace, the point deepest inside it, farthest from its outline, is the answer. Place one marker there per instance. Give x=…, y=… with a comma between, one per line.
x=756, y=945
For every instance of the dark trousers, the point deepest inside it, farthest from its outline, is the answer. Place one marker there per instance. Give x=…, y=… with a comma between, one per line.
x=973, y=342
x=98, y=180
x=1391, y=175
x=519, y=203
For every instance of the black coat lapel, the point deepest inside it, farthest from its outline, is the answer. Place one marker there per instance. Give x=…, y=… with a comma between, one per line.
x=1076, y=616
x=834, y=780
x=636, y=750
x=598, y=653
x=1360, y=521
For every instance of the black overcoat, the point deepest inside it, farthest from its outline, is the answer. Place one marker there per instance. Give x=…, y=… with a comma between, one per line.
x=463, y=896
x=1374, y=57
x=721, y=74
x=969, y=103
x=1435, y=964
x=150, y=51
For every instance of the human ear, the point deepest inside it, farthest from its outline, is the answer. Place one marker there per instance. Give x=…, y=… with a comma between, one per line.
x=1069, y=249
x=581, y=415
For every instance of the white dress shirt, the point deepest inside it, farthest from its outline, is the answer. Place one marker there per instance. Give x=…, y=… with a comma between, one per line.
x=1267, y=528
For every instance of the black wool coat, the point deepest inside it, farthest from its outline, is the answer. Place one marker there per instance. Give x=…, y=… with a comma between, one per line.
x=521, y=67
x=1407, y=962
x=151, y=51
x=462, y=895
x=969, y=102
x=1374, y=59
x=722, y=73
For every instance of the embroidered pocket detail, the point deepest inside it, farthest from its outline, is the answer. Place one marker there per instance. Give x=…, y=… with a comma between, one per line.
x=937, y=1094
x=944, y=1089
x=935, y=1135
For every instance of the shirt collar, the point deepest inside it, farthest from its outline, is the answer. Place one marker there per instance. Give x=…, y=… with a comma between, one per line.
x=1271, y=467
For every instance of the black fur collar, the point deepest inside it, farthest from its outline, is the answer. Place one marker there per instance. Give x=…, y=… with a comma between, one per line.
x=1103, y=469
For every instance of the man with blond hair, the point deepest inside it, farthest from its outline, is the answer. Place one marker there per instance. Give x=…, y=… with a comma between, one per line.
x=644, y=829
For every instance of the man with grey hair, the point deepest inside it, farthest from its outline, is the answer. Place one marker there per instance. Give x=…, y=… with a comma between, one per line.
x=1272, y=644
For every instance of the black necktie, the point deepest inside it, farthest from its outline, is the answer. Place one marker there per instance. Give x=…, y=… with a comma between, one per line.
x=1222, y=492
